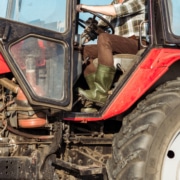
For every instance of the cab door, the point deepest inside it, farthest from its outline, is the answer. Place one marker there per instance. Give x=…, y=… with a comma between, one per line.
x=37, y=45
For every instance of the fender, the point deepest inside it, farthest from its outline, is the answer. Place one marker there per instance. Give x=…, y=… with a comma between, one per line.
x=155, y=64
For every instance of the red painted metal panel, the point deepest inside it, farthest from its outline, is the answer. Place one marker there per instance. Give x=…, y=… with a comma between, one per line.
x=3, y=66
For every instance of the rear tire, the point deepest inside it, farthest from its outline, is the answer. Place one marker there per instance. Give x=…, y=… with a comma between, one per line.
x=144, y=149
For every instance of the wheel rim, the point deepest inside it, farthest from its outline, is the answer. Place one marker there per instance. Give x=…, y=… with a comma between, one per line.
x=171, y=163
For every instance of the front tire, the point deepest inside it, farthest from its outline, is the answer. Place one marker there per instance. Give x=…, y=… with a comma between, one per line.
x=148, y=143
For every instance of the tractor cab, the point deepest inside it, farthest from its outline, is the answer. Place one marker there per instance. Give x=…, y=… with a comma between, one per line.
x=42, y=44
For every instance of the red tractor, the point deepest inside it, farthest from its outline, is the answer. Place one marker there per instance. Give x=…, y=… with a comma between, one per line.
x=43, y=133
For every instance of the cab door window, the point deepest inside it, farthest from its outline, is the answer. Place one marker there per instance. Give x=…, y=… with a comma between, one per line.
x=42, y=65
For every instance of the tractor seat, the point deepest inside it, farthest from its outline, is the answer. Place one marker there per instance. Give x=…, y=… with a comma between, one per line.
x=124, y=62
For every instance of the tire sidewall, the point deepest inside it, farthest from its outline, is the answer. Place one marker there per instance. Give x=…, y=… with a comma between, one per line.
x=160, y=143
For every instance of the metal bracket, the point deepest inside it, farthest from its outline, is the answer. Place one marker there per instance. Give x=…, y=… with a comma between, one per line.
x=81, y=170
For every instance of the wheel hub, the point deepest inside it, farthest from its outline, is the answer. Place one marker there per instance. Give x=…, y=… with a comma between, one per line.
x=171, y=164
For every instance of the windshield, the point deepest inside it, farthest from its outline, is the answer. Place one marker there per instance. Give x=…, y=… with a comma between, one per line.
x=48, y=14
x=174, y=13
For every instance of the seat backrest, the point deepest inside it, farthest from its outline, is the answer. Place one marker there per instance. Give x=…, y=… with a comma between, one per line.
x=124, y=61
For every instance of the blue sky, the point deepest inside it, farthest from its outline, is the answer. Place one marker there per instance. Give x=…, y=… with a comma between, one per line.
x=85, y=16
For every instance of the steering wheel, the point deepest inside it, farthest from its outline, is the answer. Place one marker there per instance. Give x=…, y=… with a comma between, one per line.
x=84, y=24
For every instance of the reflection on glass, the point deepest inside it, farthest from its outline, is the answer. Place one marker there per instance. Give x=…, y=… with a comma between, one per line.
x=174, y=13
x=42, y=64
x=49, y=14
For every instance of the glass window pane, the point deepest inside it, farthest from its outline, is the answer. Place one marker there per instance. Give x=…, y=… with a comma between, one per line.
x=42, y=65
x=85, y=16
x=49, y=14
x=174, y=12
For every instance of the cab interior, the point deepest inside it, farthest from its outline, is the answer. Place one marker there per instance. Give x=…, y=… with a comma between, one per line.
x=124, y=63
